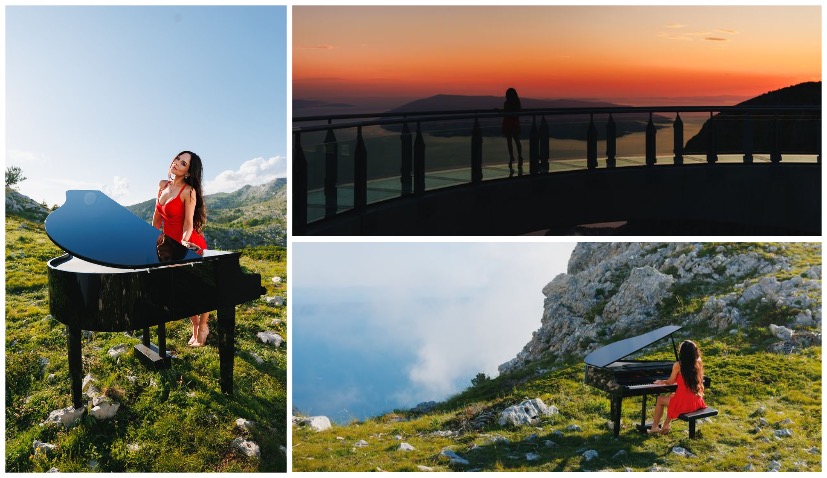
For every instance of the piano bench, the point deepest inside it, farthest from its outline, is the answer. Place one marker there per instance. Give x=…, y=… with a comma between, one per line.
x=692, y=416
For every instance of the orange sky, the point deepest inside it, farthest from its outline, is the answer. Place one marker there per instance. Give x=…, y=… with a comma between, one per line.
x=553, y=51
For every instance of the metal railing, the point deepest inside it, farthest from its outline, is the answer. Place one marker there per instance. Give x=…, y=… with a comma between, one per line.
x=763, y=134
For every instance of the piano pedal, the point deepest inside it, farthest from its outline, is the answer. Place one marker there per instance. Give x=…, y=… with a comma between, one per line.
x=644, y=428
x=150, y=357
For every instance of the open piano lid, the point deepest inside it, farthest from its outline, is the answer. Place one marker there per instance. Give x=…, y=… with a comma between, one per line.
x=95, y=228
x=616, y=351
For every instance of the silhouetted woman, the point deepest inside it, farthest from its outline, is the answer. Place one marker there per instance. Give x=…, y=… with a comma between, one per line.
x=688, y=374
x=180, y=210
x=511, y=126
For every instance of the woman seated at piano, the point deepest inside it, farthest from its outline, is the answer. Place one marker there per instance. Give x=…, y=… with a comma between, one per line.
x=181, y=212
x=688, y=374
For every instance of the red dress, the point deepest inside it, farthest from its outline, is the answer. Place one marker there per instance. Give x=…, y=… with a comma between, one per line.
x=172, y=213
x=683, y=400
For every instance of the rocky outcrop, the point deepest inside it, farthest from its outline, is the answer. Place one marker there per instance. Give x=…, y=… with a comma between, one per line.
x=618, y=290
x=20, y=205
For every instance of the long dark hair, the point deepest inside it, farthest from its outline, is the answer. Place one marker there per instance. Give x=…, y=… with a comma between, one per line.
x=691, y=370
x=196, y=172
x=512, y=100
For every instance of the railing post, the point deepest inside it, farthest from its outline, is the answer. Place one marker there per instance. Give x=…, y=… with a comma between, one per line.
x=712, y=141
x=747, y=132
x=678, y=143
x=419, y=161
x=407, y=160
x=651, y=149
x=544, y=146
x=775, y=154
x=360, y=173
x=331, y=155
x=534, y=148
x=299, y=187
x=476, y=153
x=611, y=142
x=591, y=145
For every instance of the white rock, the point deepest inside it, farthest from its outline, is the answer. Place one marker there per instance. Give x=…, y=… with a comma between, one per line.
x=781, y=332
x=248, y=448
x=527, y=412
x=117, y=350
x=275, y=301
x=276, y=280
x=590, y=455
x=270, y=338
x=133, y=447
x=360, y=444
x=405, y=447
x=41, y=447
x=424, y=468
x=682, y=452
x=453, y=458
x=103, y=408
x=531, y=456
x=783, y=433
x=66, y=416
x=318, y=423
x=244, y=424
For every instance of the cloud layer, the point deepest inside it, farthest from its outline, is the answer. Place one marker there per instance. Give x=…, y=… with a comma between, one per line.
x=253, y=172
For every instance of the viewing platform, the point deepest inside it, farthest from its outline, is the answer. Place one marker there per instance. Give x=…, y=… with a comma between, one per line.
x=447, y=172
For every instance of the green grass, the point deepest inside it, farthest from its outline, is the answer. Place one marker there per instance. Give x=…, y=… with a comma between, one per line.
x=178, y=418
x=788, y=387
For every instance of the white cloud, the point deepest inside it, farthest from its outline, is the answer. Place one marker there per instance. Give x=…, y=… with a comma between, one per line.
x=17, y=157
x=253, y=172
x=460, y=309
x=118, y=190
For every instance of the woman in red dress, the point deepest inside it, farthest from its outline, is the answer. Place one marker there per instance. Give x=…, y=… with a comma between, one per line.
x=511, y=126
x=181, y=212
x=688, y=374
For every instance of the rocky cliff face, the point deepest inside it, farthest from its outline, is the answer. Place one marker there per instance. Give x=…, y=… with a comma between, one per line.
x=618, y=290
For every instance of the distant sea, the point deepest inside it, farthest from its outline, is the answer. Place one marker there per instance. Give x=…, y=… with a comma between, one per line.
x=346, y=365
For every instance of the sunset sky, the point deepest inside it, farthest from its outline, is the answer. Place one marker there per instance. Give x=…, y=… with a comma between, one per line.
x=553, y=51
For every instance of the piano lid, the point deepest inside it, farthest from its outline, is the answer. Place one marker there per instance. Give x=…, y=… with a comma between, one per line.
x=93, y=227
x=615, y=351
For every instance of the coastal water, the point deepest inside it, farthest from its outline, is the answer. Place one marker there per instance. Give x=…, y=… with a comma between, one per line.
x=349, y=361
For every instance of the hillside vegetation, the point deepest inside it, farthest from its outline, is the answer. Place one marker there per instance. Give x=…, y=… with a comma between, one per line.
x=174, y=420
x=768, y=397
x=251, y=216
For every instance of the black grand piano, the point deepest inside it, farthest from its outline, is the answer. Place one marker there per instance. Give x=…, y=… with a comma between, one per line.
x=607, y=370
x=121, y=274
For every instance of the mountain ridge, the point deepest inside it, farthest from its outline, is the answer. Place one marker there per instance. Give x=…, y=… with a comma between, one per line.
x=798, y=131
x=248, y=217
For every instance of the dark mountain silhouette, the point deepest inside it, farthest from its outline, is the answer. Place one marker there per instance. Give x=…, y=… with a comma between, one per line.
x=560, y=127
x=799, y=131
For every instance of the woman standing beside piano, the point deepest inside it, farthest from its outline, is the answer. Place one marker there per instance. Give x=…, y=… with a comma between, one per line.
x=181, y=214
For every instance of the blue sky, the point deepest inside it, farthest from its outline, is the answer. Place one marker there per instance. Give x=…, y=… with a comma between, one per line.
x=383, y=325
x=104, y=97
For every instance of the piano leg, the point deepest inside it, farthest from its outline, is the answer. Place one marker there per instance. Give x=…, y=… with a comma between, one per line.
x=162, y=339
x=145, y=339
x=643, y=413
x=226, y=347
x=616, y=401
x=75, y=365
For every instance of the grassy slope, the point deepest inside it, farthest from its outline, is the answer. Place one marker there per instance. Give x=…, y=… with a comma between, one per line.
x=744, y=379
x=179, y=418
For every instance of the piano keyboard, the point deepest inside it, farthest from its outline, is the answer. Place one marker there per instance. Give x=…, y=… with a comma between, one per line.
x=645, y=386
